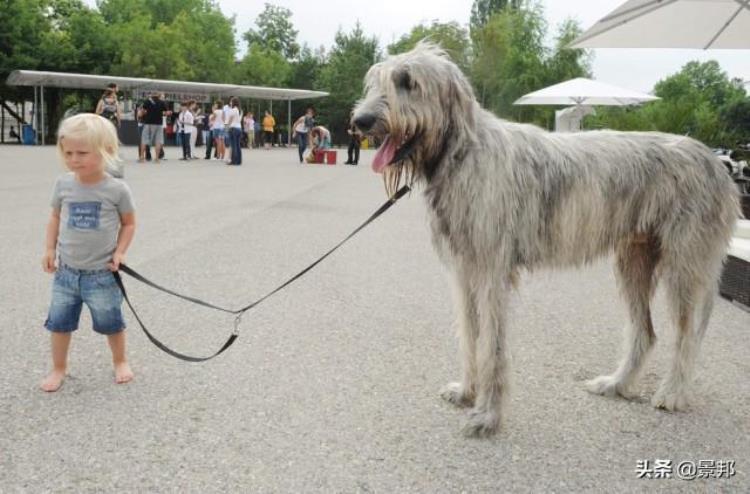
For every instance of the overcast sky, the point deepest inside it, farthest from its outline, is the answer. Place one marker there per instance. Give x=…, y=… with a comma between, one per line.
x=318, y=20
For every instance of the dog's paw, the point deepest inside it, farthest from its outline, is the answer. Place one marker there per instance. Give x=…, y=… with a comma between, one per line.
x=455, y=394
x=482, y=424
x=671, y=399
x=608, y=386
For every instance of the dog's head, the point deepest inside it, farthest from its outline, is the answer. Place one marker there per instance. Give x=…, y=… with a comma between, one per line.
x=415, y=104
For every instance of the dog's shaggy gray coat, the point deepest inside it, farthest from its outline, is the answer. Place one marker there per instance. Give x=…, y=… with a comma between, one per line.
x=504, y=197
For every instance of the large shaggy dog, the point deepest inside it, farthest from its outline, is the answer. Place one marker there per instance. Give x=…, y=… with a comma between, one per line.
x=505, y=197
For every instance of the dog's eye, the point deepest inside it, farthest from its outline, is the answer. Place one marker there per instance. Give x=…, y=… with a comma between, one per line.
x=403, y=81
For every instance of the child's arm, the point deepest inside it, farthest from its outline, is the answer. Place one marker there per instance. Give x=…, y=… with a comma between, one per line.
x=127, y=230
x=53, y=228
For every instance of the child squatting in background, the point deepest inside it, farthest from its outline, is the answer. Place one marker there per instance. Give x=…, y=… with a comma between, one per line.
x=88, y=234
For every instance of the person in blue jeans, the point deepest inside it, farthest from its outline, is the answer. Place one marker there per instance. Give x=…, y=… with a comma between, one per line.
x=234, y=124
x=91, y=227
x=301, y=130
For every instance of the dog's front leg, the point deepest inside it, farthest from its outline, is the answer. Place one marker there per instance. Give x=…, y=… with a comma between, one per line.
x=491, y=352
x=463, y=393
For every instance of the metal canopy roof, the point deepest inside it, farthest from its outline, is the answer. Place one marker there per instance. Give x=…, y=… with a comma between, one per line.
x=87, y=81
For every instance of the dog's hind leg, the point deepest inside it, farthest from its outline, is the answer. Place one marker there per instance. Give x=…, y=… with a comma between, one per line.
x=636, y=265
x=690, y=289
x=491, y=353
x=709, y=295
x=462, y=393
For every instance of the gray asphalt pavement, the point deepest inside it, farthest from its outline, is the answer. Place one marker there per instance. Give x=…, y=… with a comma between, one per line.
x=333, y=383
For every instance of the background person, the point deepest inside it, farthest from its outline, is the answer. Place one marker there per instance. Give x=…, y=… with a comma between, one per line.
x=14, y=135
x=301, y=130
x=209, y=135
x=268, y=124
x=108, y=107
x=192, y=106
x=217, y=128
x=321, y=137
x=234, y=123
x=186, y=122
x=248, y=129
x=153, y=112
x=355, y=141
x=258, y=134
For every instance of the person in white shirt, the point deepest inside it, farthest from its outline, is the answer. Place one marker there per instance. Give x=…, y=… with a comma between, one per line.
x=191, y=126
x=186, y=122
x=234, y=123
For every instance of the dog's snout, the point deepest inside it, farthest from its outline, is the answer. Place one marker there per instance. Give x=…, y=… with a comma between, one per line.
x=364, y=122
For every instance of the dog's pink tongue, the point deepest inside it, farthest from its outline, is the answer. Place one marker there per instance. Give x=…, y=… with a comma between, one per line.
x=383, y=157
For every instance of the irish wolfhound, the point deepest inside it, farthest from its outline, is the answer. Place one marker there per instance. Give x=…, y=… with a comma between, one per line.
x=504, y=196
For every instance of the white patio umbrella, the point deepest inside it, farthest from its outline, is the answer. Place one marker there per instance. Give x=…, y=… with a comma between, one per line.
x=583, y=91
x=672, y=24
x=583, y=94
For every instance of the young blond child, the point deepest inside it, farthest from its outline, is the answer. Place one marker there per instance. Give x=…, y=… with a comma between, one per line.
x=88, y=234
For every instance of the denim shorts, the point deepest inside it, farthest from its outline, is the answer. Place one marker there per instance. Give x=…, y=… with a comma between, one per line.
x=97, y=289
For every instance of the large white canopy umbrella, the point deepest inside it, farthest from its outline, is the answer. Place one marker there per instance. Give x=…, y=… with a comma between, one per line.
x=583, y=94
x=672, y=24
x=583, y=91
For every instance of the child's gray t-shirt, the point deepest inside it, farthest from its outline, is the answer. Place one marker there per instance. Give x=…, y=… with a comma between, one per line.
x=89, y=219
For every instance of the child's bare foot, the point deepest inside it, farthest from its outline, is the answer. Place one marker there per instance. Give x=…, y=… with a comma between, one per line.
x=53, y=381
x=123, y=374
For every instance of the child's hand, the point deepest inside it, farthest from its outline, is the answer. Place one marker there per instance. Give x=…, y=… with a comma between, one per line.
x=117, y=259
x=48, y=262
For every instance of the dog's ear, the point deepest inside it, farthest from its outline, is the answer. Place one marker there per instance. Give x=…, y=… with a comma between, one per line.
x=403, y=80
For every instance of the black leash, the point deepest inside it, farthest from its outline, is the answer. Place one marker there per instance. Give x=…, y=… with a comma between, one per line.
x=239, y=312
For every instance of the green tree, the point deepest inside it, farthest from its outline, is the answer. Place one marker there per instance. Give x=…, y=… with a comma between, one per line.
x=700, y=101
x=159, y=11
x=263, y=67
x=306, y=68
x=189, y=40
x=736, y=116
x=208, y=44
x=148, y=52
x=482, y=10
x=351, y=56
x=705, y=80
x=453, y=38
x=305, y=71
x=275, y=32
x=566, y=63
x=23, y=25
x=509, y=61
x=55, y=35
x=51, y=35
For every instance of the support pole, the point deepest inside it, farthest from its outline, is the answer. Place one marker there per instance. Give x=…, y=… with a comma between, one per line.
x=35, y=118
x=41, y=108
x=289, y=122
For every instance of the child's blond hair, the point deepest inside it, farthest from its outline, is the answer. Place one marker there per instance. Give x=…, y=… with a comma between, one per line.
x=99, y=132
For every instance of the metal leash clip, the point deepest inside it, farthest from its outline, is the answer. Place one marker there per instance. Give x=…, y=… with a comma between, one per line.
x=237, y=321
